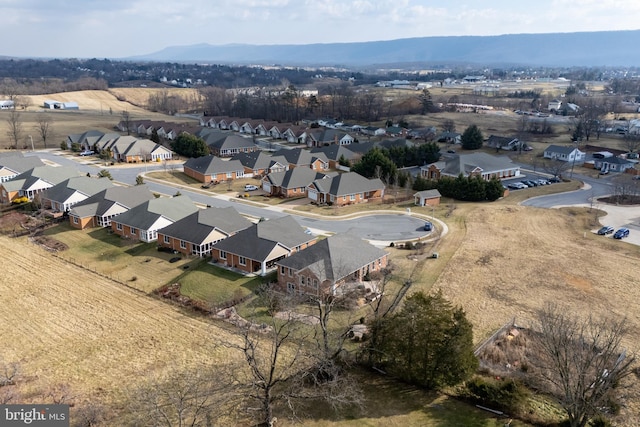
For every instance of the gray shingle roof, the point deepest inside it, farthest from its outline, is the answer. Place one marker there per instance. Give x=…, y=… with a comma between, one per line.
x=231, y=141
x=259, y=240
x=146, y=214
x=210, y=165
x=347, y=183
x=465, y=163
x=19, y=164
x=294, y=178
x=196, y=227
x=335, y=257
x=48, y=174
x=559, y=149
x=80, y=184
x=333, y=152
x=100, y=203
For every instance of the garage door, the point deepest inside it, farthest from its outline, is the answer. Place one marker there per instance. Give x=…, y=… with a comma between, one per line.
x=266, y=186
x=312, y=194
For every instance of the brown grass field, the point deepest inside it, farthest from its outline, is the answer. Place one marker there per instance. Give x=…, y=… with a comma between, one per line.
x=67, y=325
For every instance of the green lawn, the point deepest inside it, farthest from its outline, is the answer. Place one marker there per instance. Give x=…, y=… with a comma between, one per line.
x=216, y=285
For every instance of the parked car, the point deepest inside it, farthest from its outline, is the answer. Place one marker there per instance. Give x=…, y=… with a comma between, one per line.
x=542, y=181
x=621, y=233
x=87, y=153
x=250, y=187
x=531, y=183
x=605, y=230
x=428, y=226
x=526, y=184
x=604, y=172
x=517, y=186
x=451, y=151
x=554, y=180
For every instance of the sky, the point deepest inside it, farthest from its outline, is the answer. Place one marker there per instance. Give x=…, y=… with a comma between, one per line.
x=123, y=28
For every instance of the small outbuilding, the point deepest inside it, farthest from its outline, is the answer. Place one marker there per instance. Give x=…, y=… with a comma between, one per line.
x=427, y=198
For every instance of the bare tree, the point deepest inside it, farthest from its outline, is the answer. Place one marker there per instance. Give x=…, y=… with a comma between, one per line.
x=125, y=117
x=555, y=167
x=285, y=370
x=631, y=142
x=9, y=372
x=44, y=127
x=582, y=361
x=14, y=132
x=448, y=125
x=191, y=397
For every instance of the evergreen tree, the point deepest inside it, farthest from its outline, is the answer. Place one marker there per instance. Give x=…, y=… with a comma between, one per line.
x=428, y=343
x=375, y=164
x=472, y=138
x=494, y=189
x=190, y=146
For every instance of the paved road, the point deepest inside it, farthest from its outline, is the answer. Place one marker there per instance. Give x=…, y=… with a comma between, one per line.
x=380, y=229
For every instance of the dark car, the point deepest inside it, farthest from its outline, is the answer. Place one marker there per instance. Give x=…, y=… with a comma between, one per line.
x=621, y=233
x=605, y=230
x=428, y=226
x=554, y=179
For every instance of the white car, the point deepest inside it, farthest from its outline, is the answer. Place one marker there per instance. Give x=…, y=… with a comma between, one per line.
x=250, y=187
x=87, y=153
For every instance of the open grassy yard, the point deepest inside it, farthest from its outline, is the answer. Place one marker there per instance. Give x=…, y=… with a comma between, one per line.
x=215, y=285
x=136, y=264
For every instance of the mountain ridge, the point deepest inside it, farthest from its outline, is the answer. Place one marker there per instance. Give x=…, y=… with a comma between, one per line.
x=596, y=48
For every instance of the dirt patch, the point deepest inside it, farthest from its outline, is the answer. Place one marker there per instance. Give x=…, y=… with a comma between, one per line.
x=627, y=200
x=49, y=244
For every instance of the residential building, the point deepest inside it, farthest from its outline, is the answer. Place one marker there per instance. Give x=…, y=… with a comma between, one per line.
x=564, y=153
x=195, y=234
x=345, y=189
x=62, y=196
x=34, y=181
x=260, y=163
x=290, y=183
x=13, y=163
x=142, y=222
x=333, y=266
x=258, y=248
x=474, y=164
x=99, y=209
x=211, y=168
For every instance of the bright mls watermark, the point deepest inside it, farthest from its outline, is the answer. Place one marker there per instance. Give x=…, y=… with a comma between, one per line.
x=34, y=415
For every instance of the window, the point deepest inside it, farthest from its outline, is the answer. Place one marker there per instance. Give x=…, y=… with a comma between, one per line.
x=352, y=197
x=75, y=220
x=167, y=239
x=119, y=227
x=223, y=255
x=282, y=270
x=301, y=280
x=229, y=175
x=183, y=244
x=291, y=288
x=133, y=231
x=315, y=284
x=239, y=174
x=242, y=260
x=290, y=272
x=344, y=198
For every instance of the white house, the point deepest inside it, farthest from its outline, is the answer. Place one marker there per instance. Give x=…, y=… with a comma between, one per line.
x=565, y=154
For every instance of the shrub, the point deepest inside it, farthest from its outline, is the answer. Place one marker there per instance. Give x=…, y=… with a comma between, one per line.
x=509, y=395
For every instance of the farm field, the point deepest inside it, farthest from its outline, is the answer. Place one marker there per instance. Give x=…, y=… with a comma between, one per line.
x=66, y=325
